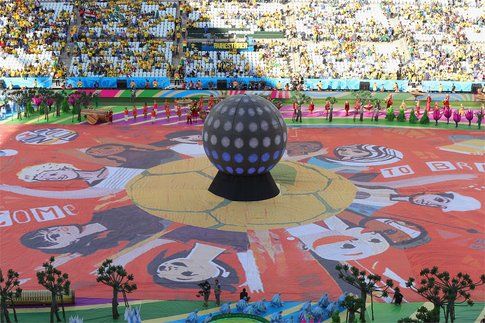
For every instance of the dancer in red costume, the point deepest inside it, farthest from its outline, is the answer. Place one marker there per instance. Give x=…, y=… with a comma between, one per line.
x=145, y=111
x=167, y=110
x=135, y=112
x=311, y=107
x=389, y=101
x=446, y=101
x=368, y=106
x=154, y=114
x=211, y=102
x=179, y=111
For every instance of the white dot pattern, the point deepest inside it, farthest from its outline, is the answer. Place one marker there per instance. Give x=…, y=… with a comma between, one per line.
x=238, y=143
x=225, y=141
x=228, y=125
x=239, y=127
x=266, y=142
x=253, y=142
x=253, y=127
x=264, y=125
x=243, y=135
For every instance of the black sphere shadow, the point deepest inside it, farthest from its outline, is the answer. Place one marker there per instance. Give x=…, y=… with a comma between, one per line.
x=244, y=188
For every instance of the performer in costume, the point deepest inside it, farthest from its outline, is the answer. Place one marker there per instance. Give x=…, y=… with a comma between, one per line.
x=480, y=117
x=403, y=105
x=389, y=101
x=126, y=114
x=446, y=101
x=211, y=102
x=428, y=103
x=195, y=114
x=356, y=108
x=135, y=112
x=145, y=111
x=155, y=105
x=418, y=108
x=327, y=108
x=311, y=107
x=189, y=116
x=154, y=114
x=461, y=111
x=167, y=110
x=179, y=111
x=347, y=108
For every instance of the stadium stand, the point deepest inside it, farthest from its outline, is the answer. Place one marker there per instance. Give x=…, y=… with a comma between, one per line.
x=429, y=40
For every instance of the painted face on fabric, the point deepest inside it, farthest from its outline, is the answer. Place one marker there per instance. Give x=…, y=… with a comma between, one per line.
x=105, y=150
x=192, y=139
x=61, y=236
x=395, y=231
x=432, y=200
x=350, y=152
x=187, y=270
x=351, y=244
x=302, y=148
x=64, y=174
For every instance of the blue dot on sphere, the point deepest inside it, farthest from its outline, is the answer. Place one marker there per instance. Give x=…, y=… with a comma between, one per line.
x=226, y=157
x=239, y=170
x=219, y=167
x=261, y=169
x=238, y=158
x=215, y=155
x=251, y=170
x=265, y=157
x=276, y=155
x=229, y=169
x=271, y=167
x=253, y=158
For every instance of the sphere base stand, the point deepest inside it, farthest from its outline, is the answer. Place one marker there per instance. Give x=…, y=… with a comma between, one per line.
x=244, y=188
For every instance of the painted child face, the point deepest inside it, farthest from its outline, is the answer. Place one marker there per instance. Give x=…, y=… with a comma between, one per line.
x=192, y=139
x=105, y=150
x=61, y=236
x=302, y=148
x=432, y=200
x=64, y=174
x=187, y=270
x=396, y=232
x=350, y=152
x=351, y=244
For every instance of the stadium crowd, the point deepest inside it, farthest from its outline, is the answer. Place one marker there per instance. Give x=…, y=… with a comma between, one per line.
x=33, y=36
x=361, y=39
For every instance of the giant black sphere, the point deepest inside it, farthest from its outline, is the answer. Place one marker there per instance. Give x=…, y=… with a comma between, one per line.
x=244, y=135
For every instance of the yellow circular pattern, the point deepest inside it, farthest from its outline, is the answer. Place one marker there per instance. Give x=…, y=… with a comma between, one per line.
x=177, y=191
